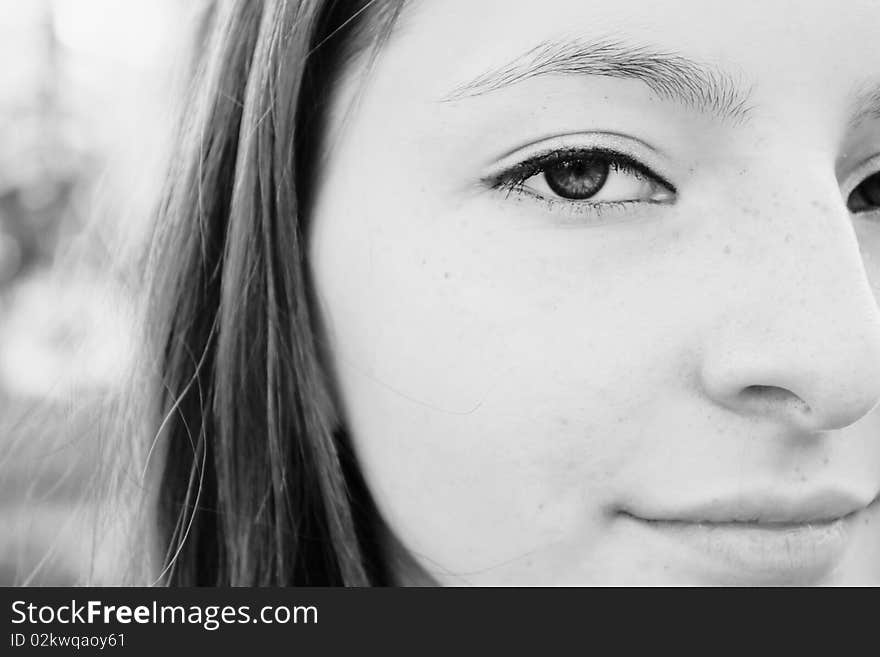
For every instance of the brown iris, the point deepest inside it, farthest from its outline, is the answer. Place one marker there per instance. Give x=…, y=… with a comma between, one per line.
x=577, y=179
x=866, y=197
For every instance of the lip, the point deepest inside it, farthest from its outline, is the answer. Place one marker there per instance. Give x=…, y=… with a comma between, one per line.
x=762, y=540
x=760, y=508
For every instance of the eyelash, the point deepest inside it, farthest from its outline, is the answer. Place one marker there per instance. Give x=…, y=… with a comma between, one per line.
x=513, y=179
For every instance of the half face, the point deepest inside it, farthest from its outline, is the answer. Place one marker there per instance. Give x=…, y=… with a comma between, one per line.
x=598, y=280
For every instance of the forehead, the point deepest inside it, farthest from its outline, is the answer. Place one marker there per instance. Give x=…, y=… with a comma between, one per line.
x=782, y=49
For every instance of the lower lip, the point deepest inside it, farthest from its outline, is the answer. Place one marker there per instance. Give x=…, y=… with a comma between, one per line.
x=765, y=553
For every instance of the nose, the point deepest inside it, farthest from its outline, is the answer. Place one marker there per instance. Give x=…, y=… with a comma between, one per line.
x=802, y=344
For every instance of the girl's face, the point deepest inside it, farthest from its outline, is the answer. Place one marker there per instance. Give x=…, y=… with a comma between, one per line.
x=600, y=285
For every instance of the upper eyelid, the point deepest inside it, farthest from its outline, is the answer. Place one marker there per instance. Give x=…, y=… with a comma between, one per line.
x=861, y=172
x=593, y=135
x=630, y=148
x=535, y=164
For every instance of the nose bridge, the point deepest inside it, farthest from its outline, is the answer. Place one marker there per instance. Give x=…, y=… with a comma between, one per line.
x=810, y=325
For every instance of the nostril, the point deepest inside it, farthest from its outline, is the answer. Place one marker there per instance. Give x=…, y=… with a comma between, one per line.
x=774, y=398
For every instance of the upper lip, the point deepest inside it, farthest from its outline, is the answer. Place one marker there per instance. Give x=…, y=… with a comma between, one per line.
x=763, y=508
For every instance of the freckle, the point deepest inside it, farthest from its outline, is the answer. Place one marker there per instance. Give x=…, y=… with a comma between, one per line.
x=563, y=421
x=727, y=249
x=446, y=274
x=826, y=461
x=788, y=238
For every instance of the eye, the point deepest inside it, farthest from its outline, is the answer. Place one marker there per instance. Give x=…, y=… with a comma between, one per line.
x=589, y=178
x=865, y=197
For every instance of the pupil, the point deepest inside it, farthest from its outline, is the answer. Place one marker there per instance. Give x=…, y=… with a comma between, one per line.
x=577, y=179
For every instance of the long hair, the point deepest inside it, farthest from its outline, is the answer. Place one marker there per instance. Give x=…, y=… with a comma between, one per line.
x=257, y=484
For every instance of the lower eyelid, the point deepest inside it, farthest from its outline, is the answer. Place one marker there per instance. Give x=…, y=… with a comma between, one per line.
x=578, y=210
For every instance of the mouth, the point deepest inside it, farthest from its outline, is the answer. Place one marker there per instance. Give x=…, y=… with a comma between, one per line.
x=758, y=539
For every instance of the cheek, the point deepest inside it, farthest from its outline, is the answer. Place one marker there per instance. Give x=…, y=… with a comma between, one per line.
x=494, y=381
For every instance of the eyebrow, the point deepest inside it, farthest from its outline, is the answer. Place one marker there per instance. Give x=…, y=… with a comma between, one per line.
x=669, y=75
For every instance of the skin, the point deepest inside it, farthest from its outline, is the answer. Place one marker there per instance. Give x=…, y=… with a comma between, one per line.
x=521, y=377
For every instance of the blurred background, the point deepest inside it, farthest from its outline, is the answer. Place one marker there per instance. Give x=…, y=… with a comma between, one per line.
x=88, y=89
